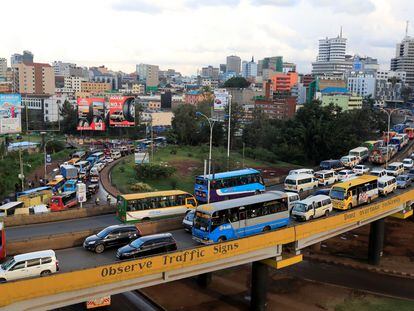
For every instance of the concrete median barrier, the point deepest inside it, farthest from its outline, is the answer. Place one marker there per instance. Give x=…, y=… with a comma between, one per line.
x=75, y=213
x=55, y=242
x=162, y=225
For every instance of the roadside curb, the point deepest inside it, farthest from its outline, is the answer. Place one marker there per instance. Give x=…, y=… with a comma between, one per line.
x=106, y=180
x=357, y=266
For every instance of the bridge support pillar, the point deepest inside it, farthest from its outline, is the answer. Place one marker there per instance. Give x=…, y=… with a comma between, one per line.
x=376, y=241
x=259, y=286
x=204, y=280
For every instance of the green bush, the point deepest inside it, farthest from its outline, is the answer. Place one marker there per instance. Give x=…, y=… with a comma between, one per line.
x=154, y=171
x=141, y=187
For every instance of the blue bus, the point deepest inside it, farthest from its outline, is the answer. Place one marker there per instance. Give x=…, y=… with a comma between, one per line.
x=70, y=185
x=95, y=157
x=228, y=185
x=233, y=219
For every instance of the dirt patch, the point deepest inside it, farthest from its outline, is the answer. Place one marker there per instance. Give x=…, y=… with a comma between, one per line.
x=187, y=168
x=271, y=172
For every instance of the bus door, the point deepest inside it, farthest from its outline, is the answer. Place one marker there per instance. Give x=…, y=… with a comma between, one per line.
x=353, y=197
x=242, y=222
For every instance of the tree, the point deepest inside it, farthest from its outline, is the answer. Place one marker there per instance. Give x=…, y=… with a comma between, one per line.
x=236, y=119
x=238, y=82
x=185, y=125
x=69, y=118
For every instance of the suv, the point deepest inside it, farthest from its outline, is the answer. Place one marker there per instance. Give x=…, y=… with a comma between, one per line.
x=147, y=246
x=379, y=172
x=112, y=236
x=33, y=264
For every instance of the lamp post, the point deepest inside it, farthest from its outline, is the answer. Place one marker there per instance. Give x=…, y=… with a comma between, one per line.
x=389, y=113
x=44, y=151
x=211, y=124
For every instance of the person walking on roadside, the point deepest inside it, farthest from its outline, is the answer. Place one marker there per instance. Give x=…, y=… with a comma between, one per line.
x=97, y=201
x=108, y=199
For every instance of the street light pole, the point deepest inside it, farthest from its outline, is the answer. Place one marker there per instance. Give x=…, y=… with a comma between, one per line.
x=211, y=124
x=388, y=133
x=228, y=132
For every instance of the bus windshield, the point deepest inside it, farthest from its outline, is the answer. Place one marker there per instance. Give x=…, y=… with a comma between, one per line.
x=201, y=221
x=201, y=181
x=337, y=193
x=300, y=207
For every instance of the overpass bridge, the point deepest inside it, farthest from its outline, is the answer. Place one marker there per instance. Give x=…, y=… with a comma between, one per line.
x=86, y=280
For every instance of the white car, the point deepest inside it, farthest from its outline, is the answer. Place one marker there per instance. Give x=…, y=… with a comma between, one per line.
x=345, y=174
x=379, y=172
x=408, y=163
x=99, y=166
x=350, y=161
x=108, y=159
x=34, y=264
x=412, y=156
x=360, y=169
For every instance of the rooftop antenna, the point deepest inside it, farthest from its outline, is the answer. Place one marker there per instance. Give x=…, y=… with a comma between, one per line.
x=406, y=28
x=340, y=33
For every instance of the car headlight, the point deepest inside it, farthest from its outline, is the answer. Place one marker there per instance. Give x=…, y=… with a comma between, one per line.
x=91, y=242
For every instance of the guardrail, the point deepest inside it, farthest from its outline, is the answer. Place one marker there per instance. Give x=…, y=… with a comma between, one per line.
x=60, y=289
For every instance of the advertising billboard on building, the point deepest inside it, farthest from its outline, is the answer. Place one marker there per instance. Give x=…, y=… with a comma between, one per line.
x=221, y=98
x=10, y=113
x=122, y=111
x=91, y=114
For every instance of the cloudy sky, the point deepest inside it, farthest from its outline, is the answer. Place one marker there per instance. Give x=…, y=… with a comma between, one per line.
x=189, y=34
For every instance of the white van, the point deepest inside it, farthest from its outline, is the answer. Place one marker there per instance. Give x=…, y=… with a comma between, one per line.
x=312, y=207
x=349, y=161
x=361, y=152
x=302, y=171
x=292, y=198
x=387, y=184
x=300, y=182
x=115, y=154
x=326, y=177
x=34, y=264
x=395, y=169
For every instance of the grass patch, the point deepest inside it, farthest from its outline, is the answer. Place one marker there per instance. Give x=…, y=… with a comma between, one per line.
x=374, y=304
x=189, y=162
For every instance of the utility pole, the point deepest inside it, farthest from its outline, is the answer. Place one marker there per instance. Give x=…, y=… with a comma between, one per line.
x=21, y=168
x=228, y=135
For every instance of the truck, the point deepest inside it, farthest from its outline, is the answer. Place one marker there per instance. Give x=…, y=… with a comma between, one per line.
x=69, y=171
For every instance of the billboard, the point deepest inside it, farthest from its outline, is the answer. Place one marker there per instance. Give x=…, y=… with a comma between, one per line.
x=91, y=114
x=10, y=113
x=122, y=111
x=221, y=99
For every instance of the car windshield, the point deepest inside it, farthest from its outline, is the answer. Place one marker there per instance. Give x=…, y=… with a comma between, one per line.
x=300, y=207
x=407, y=161
x=401, y=178
x=391, y=168
x=359, y=167
x=343, y=173
x=137, y=243
x=338, y=194
x=318, y=175
x=6, y=265
x=189, y=216
x=104, y=232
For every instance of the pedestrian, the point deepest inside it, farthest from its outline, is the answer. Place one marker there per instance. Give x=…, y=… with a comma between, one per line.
x=108, y=199
x=97, y=201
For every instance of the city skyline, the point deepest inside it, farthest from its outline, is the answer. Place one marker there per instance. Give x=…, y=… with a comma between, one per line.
x=187, y=42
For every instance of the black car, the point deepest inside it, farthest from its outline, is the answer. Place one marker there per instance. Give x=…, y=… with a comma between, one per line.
x=112, y=236
x=147, y=246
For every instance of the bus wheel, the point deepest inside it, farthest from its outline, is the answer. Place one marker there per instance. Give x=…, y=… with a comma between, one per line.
x=146, y=219
x=311, y=217
x=369, y=201
x=326, y=213
x=300, y=190
x=349, y=206
x=3, y=280
x=267, y=228
x=99, y=248
x=257, y=192
x=221, y=239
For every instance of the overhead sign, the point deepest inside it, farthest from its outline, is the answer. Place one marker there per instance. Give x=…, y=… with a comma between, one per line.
x=91, y=114
x=141, y=157
x=48, y=159
x=122, y=111
x=10, y=113
x=221, y=99
x=81, y=192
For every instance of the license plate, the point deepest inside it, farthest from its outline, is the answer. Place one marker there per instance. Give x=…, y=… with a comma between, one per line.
x=203, y=228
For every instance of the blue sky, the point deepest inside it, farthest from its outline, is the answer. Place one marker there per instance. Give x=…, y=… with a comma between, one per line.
x=189, y=34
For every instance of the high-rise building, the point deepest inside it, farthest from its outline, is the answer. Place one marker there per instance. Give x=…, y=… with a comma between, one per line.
x=62, y=69
x=3, y=69
x=249, y=69
x=331, y=60
x=148, y=74
x=283, y=82
x=233, y=64
x=223, y=68
x=34, y=78
x=362, y=84
x=404, y=59
x=274, y=63
x=210, y=72
x=26, y=57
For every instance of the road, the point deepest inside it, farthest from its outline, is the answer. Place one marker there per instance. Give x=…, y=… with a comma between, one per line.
x=78, y=258
x=381, y=284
